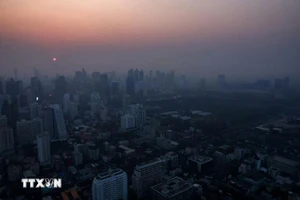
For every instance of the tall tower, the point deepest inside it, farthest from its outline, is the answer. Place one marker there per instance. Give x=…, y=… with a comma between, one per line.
x=146, y=175
x=139, y=113
x=110, y=185
x=66, y=103
x=54, y=122
x=6, y=139
x=43, y=147
x=59, y=123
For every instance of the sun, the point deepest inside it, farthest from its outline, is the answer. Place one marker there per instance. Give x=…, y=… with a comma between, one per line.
x=54, y=59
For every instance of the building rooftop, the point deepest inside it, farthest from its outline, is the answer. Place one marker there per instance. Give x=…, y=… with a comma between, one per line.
x=172, y=187
x=150, y=162
x=286, y=161
x=200, y=159
x=109, y=173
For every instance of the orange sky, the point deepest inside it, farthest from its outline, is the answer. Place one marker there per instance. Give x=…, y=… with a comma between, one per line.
x=221, y=34
x=137, y=21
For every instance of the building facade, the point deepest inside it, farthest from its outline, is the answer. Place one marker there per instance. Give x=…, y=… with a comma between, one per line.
x=147, y=175
x=110, y=185
x=43, y=147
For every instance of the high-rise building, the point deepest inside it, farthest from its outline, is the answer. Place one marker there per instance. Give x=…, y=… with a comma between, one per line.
x=104, y=87
x=43, y=148
x=54, y=122
x=130, y=88
x=136, y=75
x=93, y=152
x=127, y=121
x=96, y=76
x=96, y=102
x=6, y=139
x=139, y=113
x=66, y=103
x=59, y=123
x=27, y=130
x=10, y=109
x=48, y=119
x=146, y=175
x=60, y=88
x=36, y=87
x=115, y=88
x=174, y=189
x=73, y=109
x=3, y=121
x=13, y=87
x=110, y=185
x=141, y=75
x=1, y=87
x=35, y=110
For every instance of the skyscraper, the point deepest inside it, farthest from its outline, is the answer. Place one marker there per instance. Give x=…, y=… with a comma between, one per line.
x=136, y=75
x=13, y=88
x=130, y=83
x=66, y=103
x=96, y=102
x=36, y=88
x=27, y=130
x=127, y=122
x=146, y=175
x=59, y=123
x=110, y=185
x=73, y=109
x=6, y=139
x=48, y=119
x=60, y=88
x=1, y=87
x=139, y=113
x=43, y=147
x=35, y=110
x=54, y=122
x=10, y=109
x=3, y=121
x=141, y=75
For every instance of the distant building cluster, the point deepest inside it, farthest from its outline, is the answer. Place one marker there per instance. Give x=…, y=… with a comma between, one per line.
x=149, y=135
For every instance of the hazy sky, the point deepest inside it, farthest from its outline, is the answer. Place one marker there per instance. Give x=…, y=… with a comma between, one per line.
x=192, y=36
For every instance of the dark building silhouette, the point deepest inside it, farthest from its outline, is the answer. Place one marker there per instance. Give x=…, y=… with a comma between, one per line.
x=61, y=86
x=115, y=88
x=136, y=75
x=13, y=87
x=1, y=87
x=141, y=76
x=36, y=88
x=103, y=87
x=130, y=83
x=96, y=76
x=10, y=109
